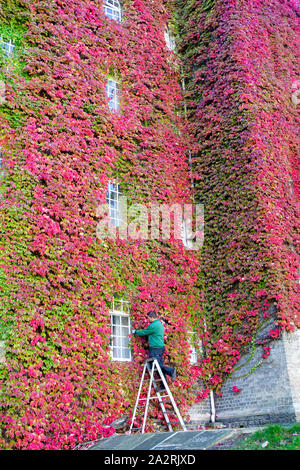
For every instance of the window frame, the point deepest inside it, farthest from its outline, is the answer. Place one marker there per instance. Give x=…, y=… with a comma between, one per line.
x=116, y=9
x=2, y=167
x=116, y=220
x=114, y=312
x=2, y=92
x=195, y=346
x=3, y=45
x=169, y=39
x=187, y=242
x=113, y=99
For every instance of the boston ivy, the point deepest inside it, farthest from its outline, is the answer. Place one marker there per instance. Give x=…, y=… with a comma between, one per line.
x=240, y=64
x=61, y=146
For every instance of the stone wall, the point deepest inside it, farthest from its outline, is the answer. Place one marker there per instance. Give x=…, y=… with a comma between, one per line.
x=200, y=413
x=269, y=394
x=292, y=351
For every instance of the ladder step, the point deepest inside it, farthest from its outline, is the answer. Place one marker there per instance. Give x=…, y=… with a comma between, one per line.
x=175, y=420
x=154, y=380
x=154, y=398
x=144, y=402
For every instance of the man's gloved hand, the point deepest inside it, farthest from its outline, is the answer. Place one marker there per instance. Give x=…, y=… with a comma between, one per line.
x=133, y=332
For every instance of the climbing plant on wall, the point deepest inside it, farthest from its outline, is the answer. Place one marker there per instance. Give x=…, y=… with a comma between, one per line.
x=239, y=64
x=61, y=146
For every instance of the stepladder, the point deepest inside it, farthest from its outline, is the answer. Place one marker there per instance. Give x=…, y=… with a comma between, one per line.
x=154, y=382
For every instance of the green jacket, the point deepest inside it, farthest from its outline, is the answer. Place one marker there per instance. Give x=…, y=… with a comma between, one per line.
x=155, y=333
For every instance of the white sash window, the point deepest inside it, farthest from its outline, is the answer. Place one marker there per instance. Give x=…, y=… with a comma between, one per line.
x=170, y=41
x=195, y=347
x=187, y=239
x=113, y=9
x=120, y=330
x=113, y=91
x=2, y=169
x=7, y=47
x=113, y=199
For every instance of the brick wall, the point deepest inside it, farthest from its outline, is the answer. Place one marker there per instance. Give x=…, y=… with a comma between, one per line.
x=270, y=393
x=292, y=351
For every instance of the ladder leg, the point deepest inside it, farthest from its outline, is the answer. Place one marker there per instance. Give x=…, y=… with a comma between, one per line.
x=154, y=379
x=177, y=413
x=170, y=396
x=161, y=402
x=163, y=408
x=152, y=382
x=147, y=401
x=137, y=399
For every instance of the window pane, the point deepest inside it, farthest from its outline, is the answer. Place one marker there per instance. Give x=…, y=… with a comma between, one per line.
x=109, y=12
x=170, y=42
x=7, y=47
x=113, y=187
x=120, y=329
x=115, y=213
x=116, y=330
x=112, y=90
x=126, y=354
x=125, y=321
x=124, y=331
x=116, y=319
x=117, y=353
x=116, y=339
x=124, y=342
x=112, y=200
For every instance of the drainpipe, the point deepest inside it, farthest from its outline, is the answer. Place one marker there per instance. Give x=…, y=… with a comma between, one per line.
x=211, y=396
x=212, y=407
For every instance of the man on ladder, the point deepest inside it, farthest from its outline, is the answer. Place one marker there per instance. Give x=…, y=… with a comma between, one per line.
x=155, y=333
x=155, y=365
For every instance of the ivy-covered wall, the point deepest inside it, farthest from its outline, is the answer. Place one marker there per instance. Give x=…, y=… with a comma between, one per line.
x=61, y=145
x=240, y=62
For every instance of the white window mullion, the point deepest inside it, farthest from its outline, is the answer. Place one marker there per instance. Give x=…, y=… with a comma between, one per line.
x=114, y=204
x=7, y=47
x=120, y=331
x=187, y=233
x=112, y=90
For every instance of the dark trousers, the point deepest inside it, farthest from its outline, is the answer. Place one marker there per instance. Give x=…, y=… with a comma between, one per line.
x=157, y=353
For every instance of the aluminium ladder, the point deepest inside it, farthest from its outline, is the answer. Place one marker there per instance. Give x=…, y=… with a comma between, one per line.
x=153, y=383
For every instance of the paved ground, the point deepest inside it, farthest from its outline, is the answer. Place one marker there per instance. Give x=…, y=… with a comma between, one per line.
x=180, y=440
